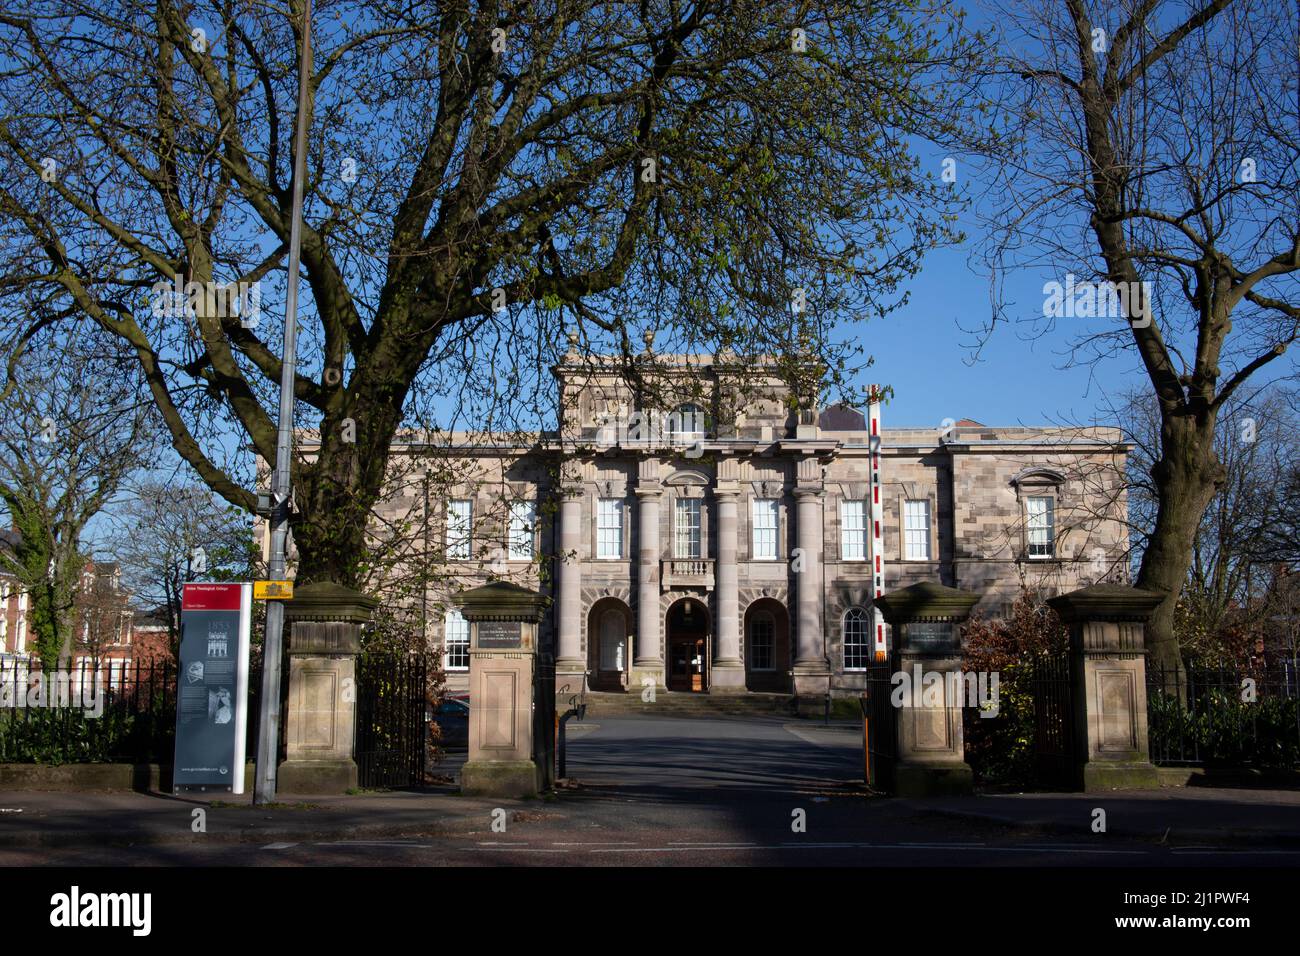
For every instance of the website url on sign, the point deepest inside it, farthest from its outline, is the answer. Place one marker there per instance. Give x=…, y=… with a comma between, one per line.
x=1203, y=923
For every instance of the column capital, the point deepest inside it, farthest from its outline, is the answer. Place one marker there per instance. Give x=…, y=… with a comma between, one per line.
x=728, y=491
x=648, y=492
x=802, y=491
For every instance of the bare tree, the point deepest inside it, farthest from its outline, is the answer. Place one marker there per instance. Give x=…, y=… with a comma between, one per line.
x=103, y=612
x=168, y=535
x=1158, y=179
x=1234, y=550
x=481, y=174
x=74, y=429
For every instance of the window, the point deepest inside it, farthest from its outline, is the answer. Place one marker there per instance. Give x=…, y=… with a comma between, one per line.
x=613, y=641
x=1041, y=526
x=762, y=642
x=460, y=515
x=916, y=530
x=764, y=529
x=686, y=423
x=857, y=639
x=853, y=530
x=686, y=528
x=609, y=528
x=20, y=628
x=455, y=642
x=523, y=517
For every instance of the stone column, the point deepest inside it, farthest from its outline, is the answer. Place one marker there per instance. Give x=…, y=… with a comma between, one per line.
x=927, y=693
x=325, y=622
x=728, y=669
x=811, y=668
x=570, y=665
x=649, y=661
x=1108, y=684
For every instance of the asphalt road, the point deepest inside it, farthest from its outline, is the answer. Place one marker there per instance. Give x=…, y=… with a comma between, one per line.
x=717, y=792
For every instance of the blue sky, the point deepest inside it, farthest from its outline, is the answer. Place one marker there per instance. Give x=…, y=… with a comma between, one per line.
x=923, y=352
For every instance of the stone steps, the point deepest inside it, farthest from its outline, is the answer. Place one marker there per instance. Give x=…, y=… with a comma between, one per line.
x=670, y=704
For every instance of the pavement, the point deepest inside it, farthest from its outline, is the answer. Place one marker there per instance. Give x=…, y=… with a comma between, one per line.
x=640, y=785
x=1215, y=816
x=120, y=818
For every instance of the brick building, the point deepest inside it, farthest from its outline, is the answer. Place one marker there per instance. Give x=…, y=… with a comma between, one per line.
x=108, y=630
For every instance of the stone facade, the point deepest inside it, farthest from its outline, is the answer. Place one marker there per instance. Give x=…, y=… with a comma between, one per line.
x=675, y=579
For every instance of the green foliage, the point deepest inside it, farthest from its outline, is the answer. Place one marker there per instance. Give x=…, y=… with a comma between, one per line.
x=69, y=735
x=1219, y=729
x=1001, y=749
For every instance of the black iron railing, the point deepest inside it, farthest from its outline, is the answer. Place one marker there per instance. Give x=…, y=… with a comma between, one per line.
x=1224, y=716
x=1054, y=739
x=393, y=714
x=118, y=712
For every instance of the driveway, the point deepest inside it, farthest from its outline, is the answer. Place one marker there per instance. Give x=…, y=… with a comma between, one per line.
x=714, y=759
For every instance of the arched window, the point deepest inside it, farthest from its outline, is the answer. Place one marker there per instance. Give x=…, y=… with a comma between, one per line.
x=686, y=423
x=857, y=639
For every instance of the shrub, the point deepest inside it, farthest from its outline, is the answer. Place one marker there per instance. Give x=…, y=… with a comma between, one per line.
x=1001, y=750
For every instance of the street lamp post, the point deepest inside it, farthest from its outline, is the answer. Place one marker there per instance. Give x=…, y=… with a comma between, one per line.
x=268, y=737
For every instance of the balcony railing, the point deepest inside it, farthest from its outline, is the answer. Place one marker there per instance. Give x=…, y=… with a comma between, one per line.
x=688, y=572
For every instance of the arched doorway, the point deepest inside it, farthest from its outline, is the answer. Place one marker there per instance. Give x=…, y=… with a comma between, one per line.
x=688, y=646
x=608, y=647
x=767, y=646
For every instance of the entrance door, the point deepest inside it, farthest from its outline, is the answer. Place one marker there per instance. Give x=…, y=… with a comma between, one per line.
x=686, y=665
x=687, y=644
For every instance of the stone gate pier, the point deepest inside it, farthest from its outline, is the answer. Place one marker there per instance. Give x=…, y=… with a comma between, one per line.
x=1108, y=684
x=504, y=732
x=928, y=755
x=325, y=623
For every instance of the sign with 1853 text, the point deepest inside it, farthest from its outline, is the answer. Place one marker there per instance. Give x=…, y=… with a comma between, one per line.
x=212, y=697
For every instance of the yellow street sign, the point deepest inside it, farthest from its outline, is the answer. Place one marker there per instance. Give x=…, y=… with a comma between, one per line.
x=273, y=590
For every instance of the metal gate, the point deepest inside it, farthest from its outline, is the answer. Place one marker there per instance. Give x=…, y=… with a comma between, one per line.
x=392, y=719
x=880, y=715
x=1053, y=719
x=544, y=718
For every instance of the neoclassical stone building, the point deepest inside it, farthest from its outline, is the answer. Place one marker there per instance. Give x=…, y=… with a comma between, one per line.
x=720, y=538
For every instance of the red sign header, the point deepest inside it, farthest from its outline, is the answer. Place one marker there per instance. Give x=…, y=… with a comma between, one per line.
x=211, y=597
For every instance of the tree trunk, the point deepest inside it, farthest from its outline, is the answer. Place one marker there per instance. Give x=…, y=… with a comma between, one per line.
x=1187, y=477
x=338, y=491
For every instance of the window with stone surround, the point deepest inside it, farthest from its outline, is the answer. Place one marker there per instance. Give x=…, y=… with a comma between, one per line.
x=762, y=641
x=764, y=529
x=916, y=529
x=686, y=423
x=1040, y=526
x=523, y=519
x=609, y=528
x=686, y=528
x=460, y=518
x=853, y=530
x=858, y=650
x=455, y=642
